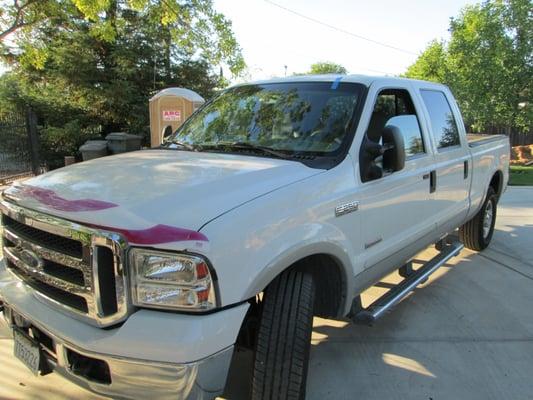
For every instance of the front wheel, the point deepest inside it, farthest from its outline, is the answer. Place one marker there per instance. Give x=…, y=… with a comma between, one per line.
x=284, y=338
x=477, y=233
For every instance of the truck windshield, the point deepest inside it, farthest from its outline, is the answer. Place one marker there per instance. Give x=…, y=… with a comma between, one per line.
x=275, y=120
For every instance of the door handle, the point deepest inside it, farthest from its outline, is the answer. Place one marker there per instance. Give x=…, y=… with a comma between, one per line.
x=425, y=176
x=465, y=166
x=432, y=181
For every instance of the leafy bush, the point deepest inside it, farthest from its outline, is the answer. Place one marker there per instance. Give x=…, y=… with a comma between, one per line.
x=58, y=142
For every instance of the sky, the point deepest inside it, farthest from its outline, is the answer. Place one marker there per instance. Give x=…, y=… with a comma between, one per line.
x=271, y=37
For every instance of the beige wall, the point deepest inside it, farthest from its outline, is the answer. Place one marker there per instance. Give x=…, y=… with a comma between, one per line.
x=157, y=109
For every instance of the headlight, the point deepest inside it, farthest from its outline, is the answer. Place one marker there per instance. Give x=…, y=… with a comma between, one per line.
x=171, y=281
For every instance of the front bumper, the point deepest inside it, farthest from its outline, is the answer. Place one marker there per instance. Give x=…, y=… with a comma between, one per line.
x=152, y=354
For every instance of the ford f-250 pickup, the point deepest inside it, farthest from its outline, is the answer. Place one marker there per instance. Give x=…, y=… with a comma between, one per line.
x=136, y=275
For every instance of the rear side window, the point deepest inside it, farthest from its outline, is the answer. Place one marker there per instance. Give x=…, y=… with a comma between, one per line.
x=443, y=124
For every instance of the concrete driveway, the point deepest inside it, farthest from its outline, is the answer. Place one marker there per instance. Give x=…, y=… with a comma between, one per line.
x=465, y=334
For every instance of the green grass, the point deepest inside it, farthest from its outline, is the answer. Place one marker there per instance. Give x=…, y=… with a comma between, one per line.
x=521, y=176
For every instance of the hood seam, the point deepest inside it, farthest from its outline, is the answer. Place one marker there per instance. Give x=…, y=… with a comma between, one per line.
x=259, y=196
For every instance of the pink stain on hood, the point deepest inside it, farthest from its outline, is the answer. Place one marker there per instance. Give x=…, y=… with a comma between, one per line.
x=157, y=234
x=53, y=200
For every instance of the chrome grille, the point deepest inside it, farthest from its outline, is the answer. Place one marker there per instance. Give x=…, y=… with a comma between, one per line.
x=52, y=292
x=60, y=244
x=76, y=268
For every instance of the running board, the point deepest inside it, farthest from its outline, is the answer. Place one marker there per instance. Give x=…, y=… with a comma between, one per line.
x=383, y=304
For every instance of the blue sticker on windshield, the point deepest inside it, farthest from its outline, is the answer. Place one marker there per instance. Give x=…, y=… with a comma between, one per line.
x=335, y=83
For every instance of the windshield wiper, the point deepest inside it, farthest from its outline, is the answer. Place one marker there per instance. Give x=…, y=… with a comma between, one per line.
x=249, y=146
x=186, y=146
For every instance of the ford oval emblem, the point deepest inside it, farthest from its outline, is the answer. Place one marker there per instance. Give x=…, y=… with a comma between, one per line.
x=31, y=259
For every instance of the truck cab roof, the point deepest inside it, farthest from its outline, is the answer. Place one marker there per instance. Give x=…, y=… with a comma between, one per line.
x=365, y=80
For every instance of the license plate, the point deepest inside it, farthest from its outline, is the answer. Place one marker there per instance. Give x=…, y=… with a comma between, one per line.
x=27, y=351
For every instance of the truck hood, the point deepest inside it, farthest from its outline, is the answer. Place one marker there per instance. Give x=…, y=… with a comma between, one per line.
x=153, y=195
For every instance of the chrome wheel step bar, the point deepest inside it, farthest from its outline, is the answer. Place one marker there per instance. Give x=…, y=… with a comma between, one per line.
x=413, y=278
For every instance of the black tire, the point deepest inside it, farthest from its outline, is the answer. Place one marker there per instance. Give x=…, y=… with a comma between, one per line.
x=284, y=338
x=472, y=234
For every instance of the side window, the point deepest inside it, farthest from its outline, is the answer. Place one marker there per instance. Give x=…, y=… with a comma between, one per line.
x=393, y=103
x=443, y=124
x=392, y=107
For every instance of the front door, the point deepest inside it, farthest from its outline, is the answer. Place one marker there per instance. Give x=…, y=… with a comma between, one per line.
x=395, y=208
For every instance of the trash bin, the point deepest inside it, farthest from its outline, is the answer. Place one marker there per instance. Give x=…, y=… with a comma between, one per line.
x=93, y=149
x=122, y=142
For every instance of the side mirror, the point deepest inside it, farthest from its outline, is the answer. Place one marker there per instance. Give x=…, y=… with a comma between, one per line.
x=368, y=153
x=393, y=148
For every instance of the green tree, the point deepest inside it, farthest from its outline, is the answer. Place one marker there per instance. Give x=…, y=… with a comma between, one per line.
x=193, y=25
x=326, y=67
x=488, y=63
x=87, y=71
x=16, y=14
x=431, y=64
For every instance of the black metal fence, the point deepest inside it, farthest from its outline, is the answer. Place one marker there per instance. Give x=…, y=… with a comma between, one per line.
x=520, y=139
x=19, y=146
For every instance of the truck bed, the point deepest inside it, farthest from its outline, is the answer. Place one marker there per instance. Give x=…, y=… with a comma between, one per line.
x=490, y=153
x=477, y=139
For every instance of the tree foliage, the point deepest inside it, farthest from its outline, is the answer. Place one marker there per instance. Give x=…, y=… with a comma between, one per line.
x=326, y=67
x=488, y=63
x=18, y=14
x=431, y=64
x=90, y=66
x=193, y=25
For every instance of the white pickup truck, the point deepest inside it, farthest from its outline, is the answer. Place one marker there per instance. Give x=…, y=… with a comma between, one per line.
x=137, y=275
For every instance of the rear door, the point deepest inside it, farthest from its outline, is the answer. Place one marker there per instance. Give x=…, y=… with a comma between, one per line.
x=452, y=169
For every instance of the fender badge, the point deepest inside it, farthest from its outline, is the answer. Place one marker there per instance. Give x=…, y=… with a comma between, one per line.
x=346, y=208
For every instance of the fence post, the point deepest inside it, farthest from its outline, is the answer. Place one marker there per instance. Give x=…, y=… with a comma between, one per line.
x=31, y=127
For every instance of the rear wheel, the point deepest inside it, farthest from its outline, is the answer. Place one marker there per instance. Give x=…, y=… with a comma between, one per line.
x=477, y=233
x=284, y=338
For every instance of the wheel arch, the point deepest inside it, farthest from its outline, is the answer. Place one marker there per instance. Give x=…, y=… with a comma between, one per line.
x=496, y=182
x=330, y=283
x=331, y=270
